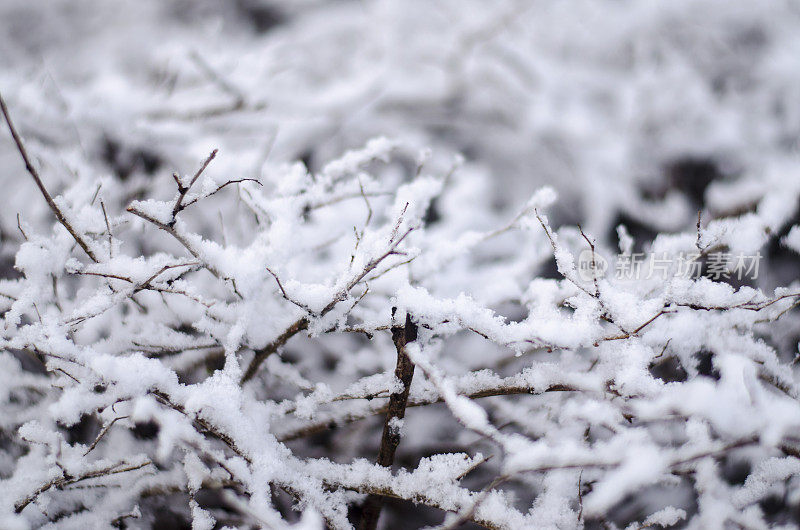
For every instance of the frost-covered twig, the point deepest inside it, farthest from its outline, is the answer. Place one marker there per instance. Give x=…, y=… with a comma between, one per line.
x=618, y=410
x=339, y=420
x=62, y=218
x=183, y=189
x=302, y=323
x=67, y=480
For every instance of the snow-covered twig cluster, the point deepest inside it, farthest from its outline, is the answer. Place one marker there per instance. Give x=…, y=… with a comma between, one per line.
x=196, y=329
x=253, y=364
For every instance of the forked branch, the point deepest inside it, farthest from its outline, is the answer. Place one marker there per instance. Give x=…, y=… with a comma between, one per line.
x=303, y=322
x=184, y=189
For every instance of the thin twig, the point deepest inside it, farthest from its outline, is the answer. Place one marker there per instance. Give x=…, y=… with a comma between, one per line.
x=593, y=262
x=183, y=190
x=223, y=84
x=286, y=296
x=303, y=322
x=21, y=231
x=183, y=240
x=502, y=390
x=108, y=228
x=697, y=242
x=66, y=481
x=35, y=174
x=554, y=245
x=220, y=187
x=469, y=514
x=103, y=433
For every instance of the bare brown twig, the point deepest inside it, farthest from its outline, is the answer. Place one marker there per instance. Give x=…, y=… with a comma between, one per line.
x=184, y=189
x=108, y=229
x=47, y=197
x=103, y=433
x=219, y=188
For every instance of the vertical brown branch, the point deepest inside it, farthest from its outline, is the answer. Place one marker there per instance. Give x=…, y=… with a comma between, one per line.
x=404, y=371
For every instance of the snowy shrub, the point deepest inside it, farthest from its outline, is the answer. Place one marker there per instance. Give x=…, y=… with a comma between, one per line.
x=472, y=273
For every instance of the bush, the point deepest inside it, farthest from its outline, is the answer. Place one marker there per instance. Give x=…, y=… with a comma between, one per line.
x=387, y=337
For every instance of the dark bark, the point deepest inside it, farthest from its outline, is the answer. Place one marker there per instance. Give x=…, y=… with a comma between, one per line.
x=404, y=371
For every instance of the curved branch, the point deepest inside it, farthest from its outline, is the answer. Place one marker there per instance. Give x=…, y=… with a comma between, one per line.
x=47, y=197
